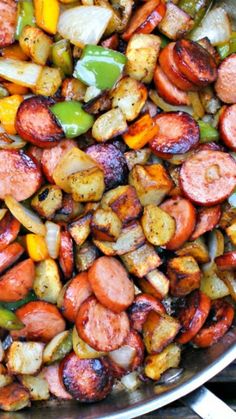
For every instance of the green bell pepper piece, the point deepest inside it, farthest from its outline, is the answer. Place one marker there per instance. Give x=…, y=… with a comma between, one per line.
x=99, y=67
x=17, y=304
x=62, y=56
x=73, y=119
x=207, y=132
x=195, y=8
x=228, y=48
x=9, y=321
x=25, y=16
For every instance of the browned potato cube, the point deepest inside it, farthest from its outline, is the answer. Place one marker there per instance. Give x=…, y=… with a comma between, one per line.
x=197, y=249
x=109, y=125
x=105, y=225
x=231, y=232
x=47, y=201
x=158, y=331
x=176, y=23
x=25, y=357
x=152, y=183
x=48, y=82
x=155, y=365
x=80, y=228
x=36, y=44
x=5, y=378
x=85, y=255
x=159, y=282
x=73, y=89
x=14, y=397
x=124, y=201
x=141, y=261
x=37, y=386
x=87, y=185
x=228, y=216
x=184, y=275
x=158, y=226
x=134, y=157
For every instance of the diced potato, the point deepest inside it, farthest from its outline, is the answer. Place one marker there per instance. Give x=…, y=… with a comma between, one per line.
x=134, y=157
x=105, y=225
x=184, y=275
x=5, y=378
x=158, y=226
x=37, y=386
x=100, y=103
x=25, y=357
x=36, y=44
x=125, y=9
x=58, y=347
x=231, y=231
x=82, y=349
x=152, y=183
x=142, y=52
x=197, y=249
x=160, y=282
x=159, y=331
x=176, y=23
x=73, y=89
x=130, y=239
x=124, y=201
x=80, y=228
x=228, y=217
x=141, y=261
x=85, y=255
x=141, y=132
x=48, y=82
x=109, y=125
x=211, y=283
x=129, y=96
x=155, y=365
x=87, y=185
x=47, y=283
x=13, y=397
x=47, y=201
x=115, y=20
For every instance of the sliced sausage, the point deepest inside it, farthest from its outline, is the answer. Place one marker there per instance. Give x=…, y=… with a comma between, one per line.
x=195, y=62
x=145, y=18
x=112, y=42
x=76, y=292
x=178, y=133
x=142, y=305
x=36, y=123
x=225, y=85
x=208, y=177
x=8, y=16
x=14, y=397
x=167, y=63
x=42, y=321
x=111, y=284
x=207, y=219
x=36, y=153
x=193, y=315
x=87, y=380
x=219, y=321
x=227, y=126
x=20, y=175
x=66, y=256
x=100, y=327
x=55, y=384
x=52, y=156
x=227, y=261
x=10, y=255
x=112, y=161
x=184, y=214
x=9, y=229
x=16, y=282
x=167, y=90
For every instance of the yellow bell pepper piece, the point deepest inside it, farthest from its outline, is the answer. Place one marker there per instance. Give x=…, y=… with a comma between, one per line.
x=47, y=14
x=36, y=247
x=140, y=132
x=8, y=110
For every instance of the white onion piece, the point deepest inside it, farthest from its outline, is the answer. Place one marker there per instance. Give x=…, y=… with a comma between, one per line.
x=131, y=381
x=84, y=24
x=53, y=239
x=215, y=26
x=123, y=356
x=10, y=142
x=20, y=72
x=26, y=217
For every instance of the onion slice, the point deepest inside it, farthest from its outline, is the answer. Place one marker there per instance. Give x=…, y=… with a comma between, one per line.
x=25, y=216
x=20, y=72
x=131, y=381
x=53, y=239
x=10, y=142
x=123, y=356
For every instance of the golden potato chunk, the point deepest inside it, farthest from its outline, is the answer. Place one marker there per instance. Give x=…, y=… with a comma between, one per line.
x=109, y=125
x=212, y=284
x=124, y=201
x=36, y=44
x=231, y=232
x=73, y=89
x=25, y=357
x=141, y=261
x=85, y=255
x=14, y=397
x=79, y=229
x=152, y=183
x=48, y=82
x=176, y=23
x=5, y=378
x=184, y=275
x=105, y=225
x=197, y=249
x=159, y=282
x=158, y=226
x=158, y=331
x=37, y=386
x=47, y=283
x=155, y=365
x=134, y=157
x=47, y=201
x=87, y=185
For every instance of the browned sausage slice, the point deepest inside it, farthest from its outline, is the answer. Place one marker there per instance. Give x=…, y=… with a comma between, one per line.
x=8, y=14
x=110, y=283
x=36, y=123
x=99, y=327
x=227, y=261
x=52, y=156
x=207, y=219
x=9, y=229
x=42, y=321
x=167, y=90
x=20, y=175
x=227, y=126
x=178, y=133
x=225, y=85
x=56, y=387
x=10, y=255
x=195, y=62
x=208, y=177
x=87, y=380
x=142, y=305
x=66, y=256
x=17, y=282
